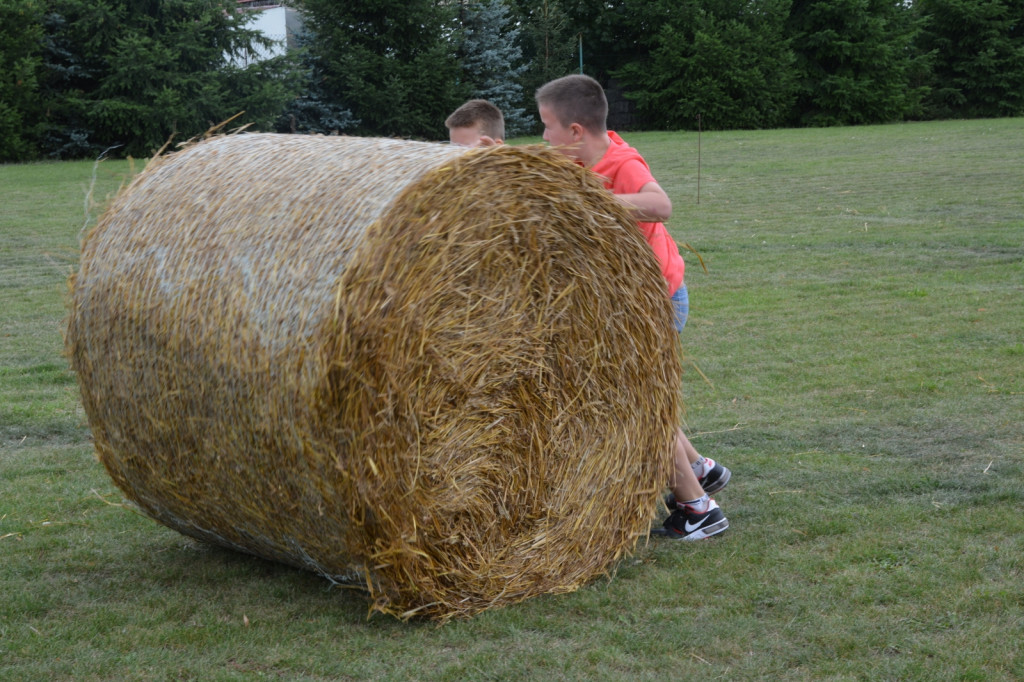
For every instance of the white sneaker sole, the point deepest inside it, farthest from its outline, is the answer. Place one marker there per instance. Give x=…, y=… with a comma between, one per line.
x=699, y=534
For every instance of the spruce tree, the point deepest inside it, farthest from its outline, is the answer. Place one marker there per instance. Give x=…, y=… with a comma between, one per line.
x=392, y=63
x=21, y=46
x=314, y=111
x=131, y=75
x=977, y=52
x=492, y=61
x=855, y=61
x=612, y=34
x=726, y=61
x=548, y=39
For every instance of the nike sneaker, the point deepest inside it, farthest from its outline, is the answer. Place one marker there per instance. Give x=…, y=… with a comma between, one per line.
x=716, y=478
x=713, y=481
x=685, y=524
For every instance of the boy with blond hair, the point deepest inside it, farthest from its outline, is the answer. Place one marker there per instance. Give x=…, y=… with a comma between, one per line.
x=574, y=111
x=477, y=123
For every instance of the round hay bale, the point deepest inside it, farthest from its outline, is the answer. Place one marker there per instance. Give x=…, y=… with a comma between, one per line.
x=451, y=374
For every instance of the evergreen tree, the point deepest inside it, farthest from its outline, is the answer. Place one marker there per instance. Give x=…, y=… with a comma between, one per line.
x=134, y=73
x=613, y=33
x=548, y=41
x=392, y=62
x=21, y=45
x=313, y=111
x=977, y=48
x=727, y=61
x=492, y=61
x=855, y=61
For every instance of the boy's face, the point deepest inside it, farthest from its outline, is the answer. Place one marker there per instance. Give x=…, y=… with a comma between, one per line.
x=565, y=138
x=468, y=136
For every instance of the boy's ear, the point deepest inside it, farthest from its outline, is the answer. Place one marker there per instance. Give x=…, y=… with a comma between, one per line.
x=577, y=131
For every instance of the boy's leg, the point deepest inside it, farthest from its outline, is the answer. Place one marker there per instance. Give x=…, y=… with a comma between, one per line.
x=711, y=475
x=684, y=484
x=696, y=516
x=691, y=452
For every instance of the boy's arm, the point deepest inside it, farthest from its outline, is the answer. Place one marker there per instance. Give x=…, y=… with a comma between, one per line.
x=649, y=205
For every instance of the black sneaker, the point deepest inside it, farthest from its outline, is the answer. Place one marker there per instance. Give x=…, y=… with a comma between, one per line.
x=716, y=479
x=685, y=524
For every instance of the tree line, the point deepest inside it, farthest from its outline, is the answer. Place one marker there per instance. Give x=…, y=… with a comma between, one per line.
x=80, y=77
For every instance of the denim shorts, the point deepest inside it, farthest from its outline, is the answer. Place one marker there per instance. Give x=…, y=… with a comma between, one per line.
x=681, y=305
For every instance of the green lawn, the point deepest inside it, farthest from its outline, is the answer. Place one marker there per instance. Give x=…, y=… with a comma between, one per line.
x=855, y=355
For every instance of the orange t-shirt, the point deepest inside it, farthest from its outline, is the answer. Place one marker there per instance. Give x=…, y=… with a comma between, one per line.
x=624, y=171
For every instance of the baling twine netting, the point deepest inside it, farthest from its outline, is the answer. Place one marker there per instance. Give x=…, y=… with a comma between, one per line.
x=451, y=374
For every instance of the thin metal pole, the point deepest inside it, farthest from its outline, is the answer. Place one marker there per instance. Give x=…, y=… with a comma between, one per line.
x=581, y=53
x=698, y=158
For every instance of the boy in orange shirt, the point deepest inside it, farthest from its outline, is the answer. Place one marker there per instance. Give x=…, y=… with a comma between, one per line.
x=574, y=111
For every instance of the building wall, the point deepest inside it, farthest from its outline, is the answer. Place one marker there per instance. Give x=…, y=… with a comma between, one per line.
x=281, y=24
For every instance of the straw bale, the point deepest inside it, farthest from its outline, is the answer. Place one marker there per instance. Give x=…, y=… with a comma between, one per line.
x=450, y=374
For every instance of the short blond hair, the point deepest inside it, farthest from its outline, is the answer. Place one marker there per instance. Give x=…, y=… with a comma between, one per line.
x=478, y=112
x=576, y=99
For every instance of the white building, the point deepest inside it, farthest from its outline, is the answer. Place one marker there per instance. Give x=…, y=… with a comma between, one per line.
x=280, y=23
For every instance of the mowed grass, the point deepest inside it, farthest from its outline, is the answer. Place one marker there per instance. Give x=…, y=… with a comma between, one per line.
x=856, y=356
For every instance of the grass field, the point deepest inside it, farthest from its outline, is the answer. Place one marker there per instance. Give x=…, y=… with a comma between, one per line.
x=856, y=357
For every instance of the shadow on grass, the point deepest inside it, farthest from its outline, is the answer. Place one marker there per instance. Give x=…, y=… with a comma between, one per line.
x=198, y=578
